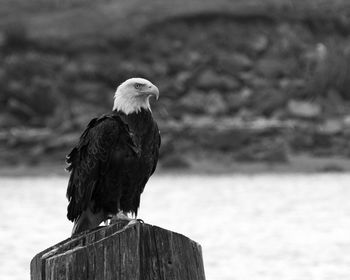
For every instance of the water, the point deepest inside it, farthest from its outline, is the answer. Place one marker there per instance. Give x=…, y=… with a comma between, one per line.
x=267, y=227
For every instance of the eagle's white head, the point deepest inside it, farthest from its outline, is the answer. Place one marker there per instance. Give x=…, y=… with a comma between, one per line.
x=133, y=95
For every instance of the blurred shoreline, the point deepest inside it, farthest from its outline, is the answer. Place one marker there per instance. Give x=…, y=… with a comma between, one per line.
x=295, y=165
x=245, y=86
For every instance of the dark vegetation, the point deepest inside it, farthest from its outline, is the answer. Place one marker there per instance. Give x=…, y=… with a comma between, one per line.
x=247, y=88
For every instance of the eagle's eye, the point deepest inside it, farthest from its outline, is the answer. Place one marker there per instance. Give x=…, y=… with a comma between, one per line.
x=138, y=85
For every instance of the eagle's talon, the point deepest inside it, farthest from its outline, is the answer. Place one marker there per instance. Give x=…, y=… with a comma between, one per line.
x=133, y=222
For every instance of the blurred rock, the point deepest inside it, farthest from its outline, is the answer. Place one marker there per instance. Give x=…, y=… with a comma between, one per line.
x=183, y=78
x=8, y=120
x=160, y=68
x=168, y=145
x=226, y=140
x=63, y=141
x=268, y=101
x=331, y=127
x=332, y=167
x=292, y=85
x=175, y=162
x=215, y=103
x=194, y=57
x=212, y=80
x=2, y=39
x=260, y=83
x=270, y=151
x=259, y=43
x=237, y=100
x=42, y=98
x=20, y=109
x=346, y=121
x=233, y=63
x=301, y=139
x=246, y=76
x=240, y=61
x=195, y=122
x=15, y=86
x=200, y=102
x=71, y=70
x=271, y=67
x=235, y=139
x=87, y=91
x=290, y=40
x=304, y=109
x=322, y=140
x=36, y=152
x=15, y=35
x=245, y=114
x=195, y=101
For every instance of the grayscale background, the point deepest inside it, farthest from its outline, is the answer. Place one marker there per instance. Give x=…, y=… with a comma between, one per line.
x=254, y=113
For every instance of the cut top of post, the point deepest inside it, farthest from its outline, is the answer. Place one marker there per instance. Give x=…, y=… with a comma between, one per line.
x=141, y=251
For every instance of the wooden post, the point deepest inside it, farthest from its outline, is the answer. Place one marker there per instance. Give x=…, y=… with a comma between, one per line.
x=139, y=252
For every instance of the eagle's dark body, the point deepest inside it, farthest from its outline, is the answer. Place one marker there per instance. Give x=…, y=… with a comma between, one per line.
x=110, y=166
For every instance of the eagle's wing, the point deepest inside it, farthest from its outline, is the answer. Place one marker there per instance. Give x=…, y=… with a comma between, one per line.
x=89, y=161
x=157, y=143
x=154, y=155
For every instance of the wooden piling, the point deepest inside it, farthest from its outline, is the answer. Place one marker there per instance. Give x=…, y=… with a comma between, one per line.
x=139, y=252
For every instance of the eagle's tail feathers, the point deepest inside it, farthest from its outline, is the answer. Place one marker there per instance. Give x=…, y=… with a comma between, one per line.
x=87, y=221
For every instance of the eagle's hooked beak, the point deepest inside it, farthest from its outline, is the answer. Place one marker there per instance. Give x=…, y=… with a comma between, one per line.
x=153, y=91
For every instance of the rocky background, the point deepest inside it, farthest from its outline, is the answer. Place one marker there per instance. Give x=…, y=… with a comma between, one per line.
x=234, y=88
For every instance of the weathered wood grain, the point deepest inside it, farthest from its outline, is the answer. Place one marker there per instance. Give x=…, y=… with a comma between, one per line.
x=141, y=251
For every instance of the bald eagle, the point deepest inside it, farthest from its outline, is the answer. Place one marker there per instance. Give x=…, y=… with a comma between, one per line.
x=114, y=158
